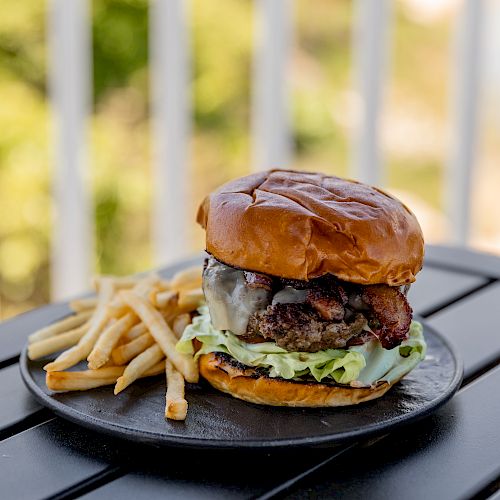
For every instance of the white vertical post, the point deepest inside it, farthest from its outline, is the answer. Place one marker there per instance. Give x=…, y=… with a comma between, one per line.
x=370, y=47
x=170, y=91
x=465, y=94
x=272, y=147
x=69, y=86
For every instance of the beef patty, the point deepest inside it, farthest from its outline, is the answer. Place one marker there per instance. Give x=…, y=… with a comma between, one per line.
x=334, y=315
x=308, y=316
x=297, y=327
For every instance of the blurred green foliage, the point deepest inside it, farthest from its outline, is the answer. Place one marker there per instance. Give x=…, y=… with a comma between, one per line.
x=222, y=44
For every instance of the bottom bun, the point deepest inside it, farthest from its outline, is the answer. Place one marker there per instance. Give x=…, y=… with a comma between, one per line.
x=227, y=375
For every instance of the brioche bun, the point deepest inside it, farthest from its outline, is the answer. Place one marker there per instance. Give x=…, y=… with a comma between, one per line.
x=250, y=385
x=304, y=225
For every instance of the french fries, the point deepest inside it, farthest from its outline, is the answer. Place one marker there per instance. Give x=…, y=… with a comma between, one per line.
x=144, y=287
x=108, y=339
x=138, y=366
x=60, y=327
x=80, y=351
x=125, y=352
x=80, y=305
x=127, y=332
x=187, y=279
x=179, y=324
x=162, y=333
x=175, y=405
x=134, y=332
x=120, y=282
x=163, y=298
x=190, y=300
x=90, y=379
x=57, y=343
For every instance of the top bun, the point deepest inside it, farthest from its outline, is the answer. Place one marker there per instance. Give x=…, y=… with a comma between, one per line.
x=304, y=225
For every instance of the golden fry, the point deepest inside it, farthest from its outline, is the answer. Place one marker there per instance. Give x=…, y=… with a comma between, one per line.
x=90, y=379
x=143, y=287
x=175, y=404
x=138, y=366
x=108, y=340
x=162, y=333
x=125, y=352
x=57, y=343
x=79, y=305
x=187, y=279
x=119, y=282
x=180, y=323
x=191, y=300
x=98, y=321
x=135, y=332
x=64, y=325
x=163, y=299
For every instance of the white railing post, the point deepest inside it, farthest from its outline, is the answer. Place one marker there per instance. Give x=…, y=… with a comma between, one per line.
x=465, y=97
x=170, y=91
x=370, y=48
x=69, y=81
x=272, y=144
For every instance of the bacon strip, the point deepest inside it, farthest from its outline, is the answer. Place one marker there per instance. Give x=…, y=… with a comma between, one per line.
x=391, y=310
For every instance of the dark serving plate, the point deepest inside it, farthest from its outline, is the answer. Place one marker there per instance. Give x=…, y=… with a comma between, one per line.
x=216, y=420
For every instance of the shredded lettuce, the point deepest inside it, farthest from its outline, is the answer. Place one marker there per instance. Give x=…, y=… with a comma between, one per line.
x=358, y=366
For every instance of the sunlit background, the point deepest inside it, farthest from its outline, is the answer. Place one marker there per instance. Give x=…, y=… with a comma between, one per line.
x=415, y=129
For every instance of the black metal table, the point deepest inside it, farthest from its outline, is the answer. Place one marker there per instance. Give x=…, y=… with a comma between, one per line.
x=453, y=454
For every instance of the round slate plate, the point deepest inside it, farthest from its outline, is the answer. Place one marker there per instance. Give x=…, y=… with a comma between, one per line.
x=217, y=420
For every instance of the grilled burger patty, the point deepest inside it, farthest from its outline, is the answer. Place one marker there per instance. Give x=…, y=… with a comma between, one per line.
x=306, y=316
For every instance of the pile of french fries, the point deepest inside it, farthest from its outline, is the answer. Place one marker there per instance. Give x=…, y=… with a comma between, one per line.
x=128, y=331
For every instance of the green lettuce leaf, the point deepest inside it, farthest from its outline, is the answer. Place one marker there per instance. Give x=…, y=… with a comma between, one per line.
x=358, y=366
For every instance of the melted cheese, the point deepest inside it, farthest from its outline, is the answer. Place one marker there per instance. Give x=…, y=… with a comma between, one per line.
x=230, y=301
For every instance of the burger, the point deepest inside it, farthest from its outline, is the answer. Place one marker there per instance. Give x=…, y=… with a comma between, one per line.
x=306, y=290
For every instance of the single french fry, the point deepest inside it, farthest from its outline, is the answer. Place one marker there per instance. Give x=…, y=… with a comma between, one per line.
x=138, y=366
x=187, y=279
x=90, y=379
x=191, y=299
x=125, y=352
x=143, y=287
x=163, y=285
x=163, y=334
x=163, y=299
x=179, y=324
x=119, y=282
x=64, y=325
x=175, y=404
x=80, y=305
x=57, y=343
x=108, y=340
x=135, y=332
x=109, y=363
x=98, y=321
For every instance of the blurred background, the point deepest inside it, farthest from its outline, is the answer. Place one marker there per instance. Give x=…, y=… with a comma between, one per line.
x=415, y=129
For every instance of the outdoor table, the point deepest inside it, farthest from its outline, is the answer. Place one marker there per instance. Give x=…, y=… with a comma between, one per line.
x=455, y=453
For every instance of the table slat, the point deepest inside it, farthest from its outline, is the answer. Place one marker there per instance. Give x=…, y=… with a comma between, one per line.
x=453, y=454
x=435, y=287
x=17, y=403
x=165, y=486
x=52, y=457
x=224, y=474
x=58, y=456
x=464, y=260
x=472, y=325
x=13, y=333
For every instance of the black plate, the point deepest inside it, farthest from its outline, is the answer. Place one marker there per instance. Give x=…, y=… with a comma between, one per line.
x=217, y=420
